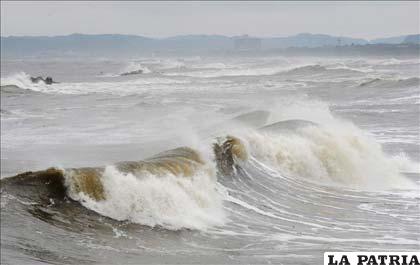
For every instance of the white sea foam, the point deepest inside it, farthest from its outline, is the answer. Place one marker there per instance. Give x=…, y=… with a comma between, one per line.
x=338, y=155
x=336, y=151
x=168, y=201
x=279, y=201
x=22, y=80
x=135, y=66
x=170, y=64
x=397, y=62
x=230, y=71
x=136, y=86
x=212, y=66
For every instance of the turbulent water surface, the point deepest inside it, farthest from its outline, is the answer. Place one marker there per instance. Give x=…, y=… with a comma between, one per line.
x=209, y=160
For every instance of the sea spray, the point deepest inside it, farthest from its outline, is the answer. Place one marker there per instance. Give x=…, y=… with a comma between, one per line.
x=332, y=155
x=169, y=201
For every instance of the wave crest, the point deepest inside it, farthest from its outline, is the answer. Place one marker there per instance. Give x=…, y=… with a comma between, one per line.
x=317, y=69
x=135, y=68
x=389, y=83
x=174, y=189
x=331, y=155
x=21, y=80
x=168, y=201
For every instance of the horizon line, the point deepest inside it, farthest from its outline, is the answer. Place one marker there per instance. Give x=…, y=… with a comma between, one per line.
x=199, y=34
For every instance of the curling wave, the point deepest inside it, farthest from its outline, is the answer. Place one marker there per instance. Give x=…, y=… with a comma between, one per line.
x=134, y=68
x=180, y=188
x=20, y=80
x=175, y=189
x=330, y=155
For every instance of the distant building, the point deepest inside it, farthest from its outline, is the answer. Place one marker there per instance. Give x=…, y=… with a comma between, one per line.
x=246, y=43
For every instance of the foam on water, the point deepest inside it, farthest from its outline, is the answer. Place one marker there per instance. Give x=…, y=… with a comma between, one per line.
x=296, y=70
x=301, y=187
x=211, y=66
x=170, y=64
x=22, y=80
x=168, y=201
x=335, y=152
x=135, y=66
x=220, y=71
x=136, y=86
x=331, y=155
x=397, y=62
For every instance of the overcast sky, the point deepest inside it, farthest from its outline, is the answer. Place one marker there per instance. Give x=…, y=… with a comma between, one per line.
x=161, y=19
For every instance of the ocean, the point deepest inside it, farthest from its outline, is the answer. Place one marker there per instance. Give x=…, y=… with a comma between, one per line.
x=237, y=159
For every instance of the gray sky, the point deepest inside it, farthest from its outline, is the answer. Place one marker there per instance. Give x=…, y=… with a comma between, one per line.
x=160, y=19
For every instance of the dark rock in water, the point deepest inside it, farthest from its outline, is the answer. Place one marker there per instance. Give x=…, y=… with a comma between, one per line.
x=136, y=72
x=48, y=80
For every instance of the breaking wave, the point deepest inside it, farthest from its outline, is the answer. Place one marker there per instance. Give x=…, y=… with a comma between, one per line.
x=184, y=188
x=18, y=83
x=386, y=83
x=13, y=90
x=211, y=66
x=174, y=189
x=168, y=201
x=221, y=70
x=133, y=67
x=398, y=62
x=337, y=155
x=21, y=80
x=316, y=69
x=224, y=72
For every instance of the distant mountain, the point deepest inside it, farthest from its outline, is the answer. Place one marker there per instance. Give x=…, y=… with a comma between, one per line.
x=412, y=39
x=74, y=43
x=110, y=44
x=310, y=41
x=196, y=42
x=119, y=45
x=390, y=40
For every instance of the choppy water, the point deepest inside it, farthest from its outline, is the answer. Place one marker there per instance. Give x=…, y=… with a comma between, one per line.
x=345, y=176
